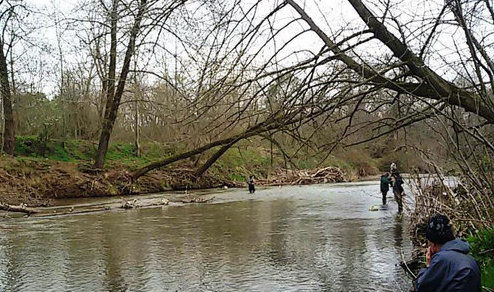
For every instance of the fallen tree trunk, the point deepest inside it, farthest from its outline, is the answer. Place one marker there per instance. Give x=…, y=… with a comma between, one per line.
x=21, y=208
x=262, y=127
x=200, y=171
x=189, y=199
x=434, y=86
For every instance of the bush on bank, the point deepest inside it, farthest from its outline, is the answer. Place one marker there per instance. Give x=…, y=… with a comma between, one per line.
x=482, y=249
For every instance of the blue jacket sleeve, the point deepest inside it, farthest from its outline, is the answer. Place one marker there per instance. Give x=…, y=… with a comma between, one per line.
x=430, y=279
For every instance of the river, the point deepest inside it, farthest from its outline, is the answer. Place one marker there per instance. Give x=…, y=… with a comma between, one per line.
x=312, y=238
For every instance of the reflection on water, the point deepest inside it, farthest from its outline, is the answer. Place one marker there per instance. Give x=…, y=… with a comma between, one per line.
x=319, y=237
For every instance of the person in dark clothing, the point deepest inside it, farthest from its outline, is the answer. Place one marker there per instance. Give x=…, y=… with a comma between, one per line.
x=449, y=267
x=393, y=168
x=250, y=182
x=385, y=183
x=397, y=182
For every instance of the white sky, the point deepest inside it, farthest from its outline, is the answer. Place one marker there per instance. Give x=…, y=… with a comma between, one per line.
x=332, y=16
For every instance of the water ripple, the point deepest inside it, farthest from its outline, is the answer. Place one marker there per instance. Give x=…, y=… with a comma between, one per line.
x=312, y=238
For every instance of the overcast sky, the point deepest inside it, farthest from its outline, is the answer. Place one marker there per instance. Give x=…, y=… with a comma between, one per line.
x=332, y=16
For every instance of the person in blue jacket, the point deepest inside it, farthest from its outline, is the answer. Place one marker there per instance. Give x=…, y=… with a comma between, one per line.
x=449, y=267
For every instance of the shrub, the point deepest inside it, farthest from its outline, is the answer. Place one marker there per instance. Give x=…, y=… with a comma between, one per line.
x=482, y=248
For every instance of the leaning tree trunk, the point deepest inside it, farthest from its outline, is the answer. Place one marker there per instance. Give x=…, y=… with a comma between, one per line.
x=253, y=131
x=9, y=134
x=434, y=86
x=201, y=170
x=271, y=124
x=142, y=171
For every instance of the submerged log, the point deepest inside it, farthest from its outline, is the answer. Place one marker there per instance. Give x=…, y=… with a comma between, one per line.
x=138, y=204
x=189, y=199
x=23, y=208
x=130, y=204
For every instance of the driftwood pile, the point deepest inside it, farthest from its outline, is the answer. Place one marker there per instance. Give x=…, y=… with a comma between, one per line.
x=304, y=177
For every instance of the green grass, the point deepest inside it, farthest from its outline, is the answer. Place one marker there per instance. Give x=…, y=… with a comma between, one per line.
x=120, y=151
x=482, y=245
x=82, y=151
x=59, y=153
x=58, y=150
x=237, y=177
x=24, y=145
x=237, y=163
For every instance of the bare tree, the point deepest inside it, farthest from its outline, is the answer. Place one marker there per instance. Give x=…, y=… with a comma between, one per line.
x=115, y=90
x=457, y=106
x=8, y=15
x=431, y=85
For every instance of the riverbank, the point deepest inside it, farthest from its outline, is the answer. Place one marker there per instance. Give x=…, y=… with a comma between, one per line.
x=452, y=196
x=42, y=172
x=38, y=182
x=84, y=200
x=27, y=182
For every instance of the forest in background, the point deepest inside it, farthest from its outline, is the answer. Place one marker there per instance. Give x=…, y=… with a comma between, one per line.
x=247, y=87
x=184, y=74
x=67, y=130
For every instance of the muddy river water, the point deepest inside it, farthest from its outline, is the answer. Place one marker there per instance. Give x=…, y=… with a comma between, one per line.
x=309, y=238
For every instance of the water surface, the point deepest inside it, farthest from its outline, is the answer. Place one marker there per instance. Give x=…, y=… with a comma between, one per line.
x=312, y=238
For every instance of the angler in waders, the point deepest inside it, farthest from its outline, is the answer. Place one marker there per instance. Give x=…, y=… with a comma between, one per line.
x=250, y=182
x=397, y=182
x=385, y=183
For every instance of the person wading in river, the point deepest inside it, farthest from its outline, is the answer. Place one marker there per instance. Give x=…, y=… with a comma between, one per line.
x=449, y=267
x=385, y=183
x=250, y=182
x=397, y=182
x=393, y=168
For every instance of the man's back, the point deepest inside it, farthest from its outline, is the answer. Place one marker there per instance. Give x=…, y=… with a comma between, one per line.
x=385, y=181
x=451, y=269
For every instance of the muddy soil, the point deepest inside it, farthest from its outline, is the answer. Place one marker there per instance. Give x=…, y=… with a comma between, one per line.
x=31, y=183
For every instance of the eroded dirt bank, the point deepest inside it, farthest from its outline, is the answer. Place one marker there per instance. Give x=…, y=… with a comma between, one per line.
x=30, y=183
